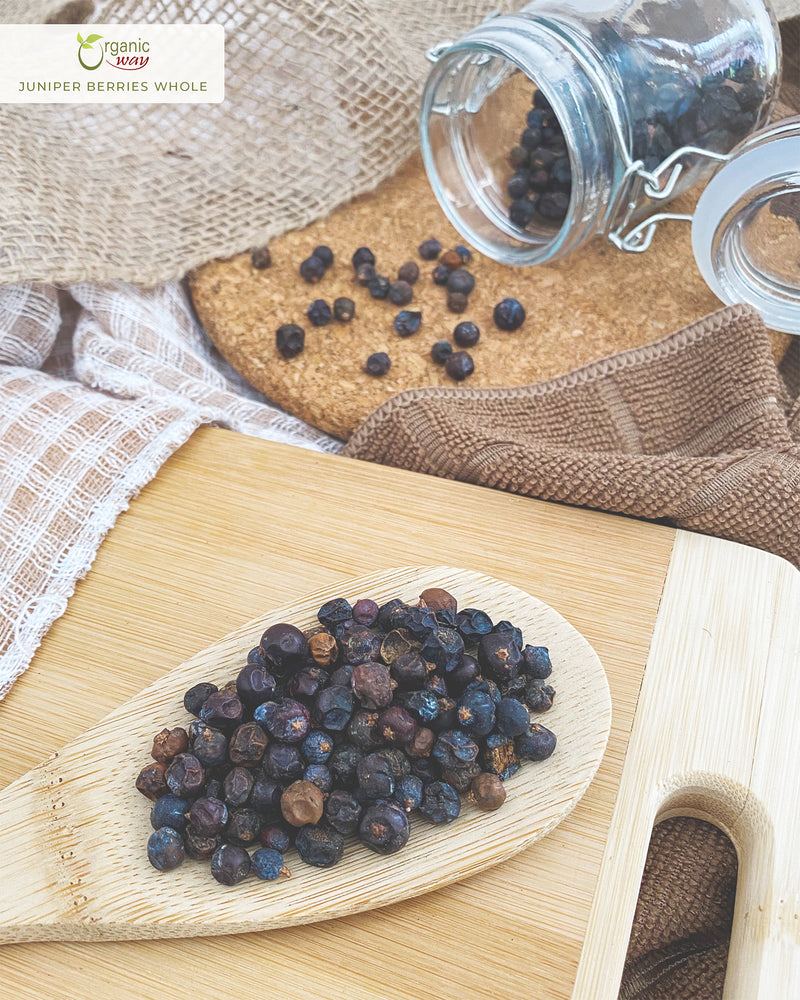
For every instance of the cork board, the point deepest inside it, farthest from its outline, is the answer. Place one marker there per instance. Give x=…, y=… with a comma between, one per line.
x=596, y=302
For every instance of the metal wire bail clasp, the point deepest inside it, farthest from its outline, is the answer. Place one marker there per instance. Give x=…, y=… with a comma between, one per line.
x=638, y=185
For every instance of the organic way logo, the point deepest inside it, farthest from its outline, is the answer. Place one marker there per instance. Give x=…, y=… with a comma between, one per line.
x=89, y=43
x=126, y=55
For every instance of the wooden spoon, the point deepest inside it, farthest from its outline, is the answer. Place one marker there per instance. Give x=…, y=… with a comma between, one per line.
x=73, y=831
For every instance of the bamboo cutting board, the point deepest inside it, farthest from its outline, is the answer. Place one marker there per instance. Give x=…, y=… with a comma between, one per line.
x=699, y=640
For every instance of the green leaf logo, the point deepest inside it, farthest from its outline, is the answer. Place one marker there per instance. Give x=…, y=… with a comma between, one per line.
x=88, y=43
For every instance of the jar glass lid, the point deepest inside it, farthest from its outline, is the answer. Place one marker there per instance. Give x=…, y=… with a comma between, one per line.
x=746, y=227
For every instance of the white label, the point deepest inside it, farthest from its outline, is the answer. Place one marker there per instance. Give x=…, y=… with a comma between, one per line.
x=112, y=64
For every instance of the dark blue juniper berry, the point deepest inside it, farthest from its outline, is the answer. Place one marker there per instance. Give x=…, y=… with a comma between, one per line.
x=319, y=775
x=446, y=617
x=287, y=719
x=319, y=846
x=244, y=827
x=462, y=674
x=531, y=138
x=222, y=710
x=539, y=696
x=360, y=644
x=521, y=212
x=460, y=281
x=472, y=623
x=312, y=269
x=423, y=705
x=284, y=647
x=186, y=776
x=268, y=864
x=230, y=864
x=378, y=287
x=317, y=747
x=454, y=747
x=459, y=366
x=378, y=364
x=499, y=656
x=384, y=827
x=408, y=792
x=408, y=670
x=333, y=707
x=343, y=811
x=319, y=313
x=362, y=730
x=535, y=118
x=165, y=849
x=538, y=743
x=489, y=686
x=198, y=847
x=344, y=309
x=508, y=315
x=265, y=797
x=343, y=765
x=363, y=256
x=283, y=762
x=169, y=810
x=254, y=656
x=466, y=334
x=436, y=684
x=407, y=322
x=255, y=684
x=440, y=274
x=385, y=612
x=236, y=787
x=440, y=802
x=464, y=253
x=536, y=662
x=210, y=747
x=476, y=713
x=512, y=718
x=426, y=769
x=442, y=647
x=323, y=253
x=195, y=697
x=513, y=630
x=375, y=777
x=335, y=612
x=430, y=249
x=208, y=816
x=305, y=683
x=552, y=205
x=278, y=837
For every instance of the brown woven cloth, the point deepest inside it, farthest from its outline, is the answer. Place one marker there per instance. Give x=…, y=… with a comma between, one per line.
x=698, y=430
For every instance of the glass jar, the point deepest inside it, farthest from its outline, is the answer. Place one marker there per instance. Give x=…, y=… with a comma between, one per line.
x=746, y=226
x=544, y=128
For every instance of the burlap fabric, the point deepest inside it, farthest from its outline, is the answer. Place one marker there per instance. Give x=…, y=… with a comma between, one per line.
x=320, y=104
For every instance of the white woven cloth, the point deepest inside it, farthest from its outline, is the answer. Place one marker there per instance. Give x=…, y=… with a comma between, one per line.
x=97, y=389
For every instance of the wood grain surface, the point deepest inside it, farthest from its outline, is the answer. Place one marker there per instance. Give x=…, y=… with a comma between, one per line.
x=233, y=525
x=73, y=831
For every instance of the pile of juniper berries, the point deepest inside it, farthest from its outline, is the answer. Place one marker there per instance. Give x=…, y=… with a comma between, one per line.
x=346, y=729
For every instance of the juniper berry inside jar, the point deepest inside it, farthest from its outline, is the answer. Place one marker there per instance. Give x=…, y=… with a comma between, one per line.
x=615, y=91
